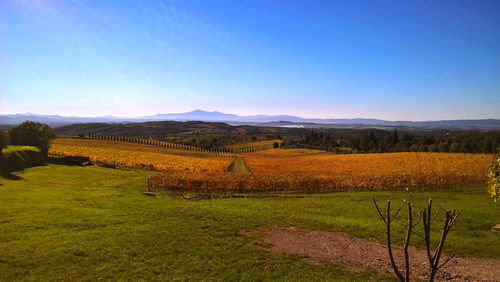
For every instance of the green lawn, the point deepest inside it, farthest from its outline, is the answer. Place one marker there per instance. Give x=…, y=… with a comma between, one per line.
x=13, y=148
x=84, y=223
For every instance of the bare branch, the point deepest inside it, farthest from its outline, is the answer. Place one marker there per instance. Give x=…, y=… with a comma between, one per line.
x=446, y=261
x=450, y=217
x=455, y=219
x=415, y=233
x=426, y=216
x=379, y=212
x=413, y=209
x=418, y=221
x=434, y=217
x=387, y=222
x=407, y=242
x=396, y=214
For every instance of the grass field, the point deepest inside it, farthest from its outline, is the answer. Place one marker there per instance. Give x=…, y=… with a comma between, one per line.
x=12, y=148
x=85, y=223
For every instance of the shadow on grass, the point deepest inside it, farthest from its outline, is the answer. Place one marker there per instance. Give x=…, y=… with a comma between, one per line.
x=69, y=161
x=10, y=176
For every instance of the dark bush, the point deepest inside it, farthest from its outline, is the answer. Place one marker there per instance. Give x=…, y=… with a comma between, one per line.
x=14, y=161
x=19, y=160
x=4, y=140
x=32, y=133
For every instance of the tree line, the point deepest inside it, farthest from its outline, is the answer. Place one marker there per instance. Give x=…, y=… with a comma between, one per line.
x=453, y=142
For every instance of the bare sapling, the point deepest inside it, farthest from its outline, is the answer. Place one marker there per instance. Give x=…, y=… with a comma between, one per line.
x=387, y=218
x=424, y=216
x=451, y=218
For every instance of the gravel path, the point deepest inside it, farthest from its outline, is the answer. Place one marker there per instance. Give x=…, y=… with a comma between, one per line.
x=357, y=253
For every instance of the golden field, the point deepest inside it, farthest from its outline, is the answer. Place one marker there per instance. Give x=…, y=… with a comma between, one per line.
x=284, y=169
x=317, y=171
x=139, y=155
x=375, y=170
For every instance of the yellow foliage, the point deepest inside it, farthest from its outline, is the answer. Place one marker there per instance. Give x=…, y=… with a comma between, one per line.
x=139, y=155
x=312, y=170
x=375, y=170
x=494, y=175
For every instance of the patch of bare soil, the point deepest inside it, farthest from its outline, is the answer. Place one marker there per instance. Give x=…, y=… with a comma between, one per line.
x=356, y=254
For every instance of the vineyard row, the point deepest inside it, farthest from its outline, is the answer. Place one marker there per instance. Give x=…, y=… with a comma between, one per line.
x=230, y=183
x=225, y=152
x=221, y=153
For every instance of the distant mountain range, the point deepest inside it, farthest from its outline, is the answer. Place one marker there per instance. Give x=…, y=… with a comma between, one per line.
x=269, y=120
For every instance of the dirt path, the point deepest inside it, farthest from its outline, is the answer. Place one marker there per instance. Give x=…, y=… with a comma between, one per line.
x=357, y=253
x=238, y=165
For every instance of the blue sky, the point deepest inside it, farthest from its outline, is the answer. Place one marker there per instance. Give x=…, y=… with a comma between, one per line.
x=395, y=60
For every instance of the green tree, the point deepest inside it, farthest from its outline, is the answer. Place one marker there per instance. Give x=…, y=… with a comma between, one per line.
x=454, y=147
x=444, y=147
x=488, y=146
x=394, y=138
x=383, y=145
x=32, y=133
x=4, y=140
x=422, y=148
x=433, y=148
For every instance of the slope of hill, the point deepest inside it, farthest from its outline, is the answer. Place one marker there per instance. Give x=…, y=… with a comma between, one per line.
x=156, y=129
x=162, y=129
x=263, y=120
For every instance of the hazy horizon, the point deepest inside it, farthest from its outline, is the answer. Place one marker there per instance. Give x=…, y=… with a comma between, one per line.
x=386, y=60
x=261, y=114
